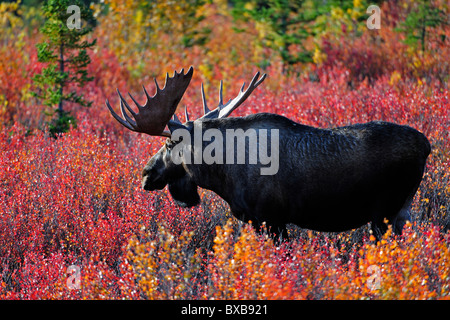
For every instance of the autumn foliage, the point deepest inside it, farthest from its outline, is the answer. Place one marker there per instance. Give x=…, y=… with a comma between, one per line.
x=77, y=201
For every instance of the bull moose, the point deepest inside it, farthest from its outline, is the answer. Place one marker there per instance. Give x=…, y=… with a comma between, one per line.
x=333, y=179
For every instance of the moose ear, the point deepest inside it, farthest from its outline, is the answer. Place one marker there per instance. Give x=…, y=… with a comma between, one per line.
x=184, y=192
x=174, y=125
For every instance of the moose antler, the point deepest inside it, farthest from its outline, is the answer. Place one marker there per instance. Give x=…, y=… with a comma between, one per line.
x=157, y=111
x=155, y=114
x=224, y=110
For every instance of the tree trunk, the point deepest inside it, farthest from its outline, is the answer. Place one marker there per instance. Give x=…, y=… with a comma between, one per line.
x=61, y=69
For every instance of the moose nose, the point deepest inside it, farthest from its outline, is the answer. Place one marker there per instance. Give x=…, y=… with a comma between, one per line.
x=144, y=183
x=145, y=172
x=145, y=177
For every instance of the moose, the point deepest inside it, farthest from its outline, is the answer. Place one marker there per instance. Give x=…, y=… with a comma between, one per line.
x=328, y=179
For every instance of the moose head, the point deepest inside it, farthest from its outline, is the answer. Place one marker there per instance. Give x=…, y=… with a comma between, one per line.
x=159, y=112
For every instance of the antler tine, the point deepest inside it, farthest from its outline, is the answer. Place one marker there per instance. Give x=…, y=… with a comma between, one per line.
x=167, y=77
x=119, y=119
x=157, y=88
x=130, y=122
x=186, y=114
x=205, y=106
x=124, y=102
x=128, y=119
x=220, y=93
x=134, y=100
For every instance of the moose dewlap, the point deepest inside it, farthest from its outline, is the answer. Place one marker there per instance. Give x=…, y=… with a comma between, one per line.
x=271, y=169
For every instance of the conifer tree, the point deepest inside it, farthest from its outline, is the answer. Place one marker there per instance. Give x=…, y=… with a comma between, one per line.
x=423, y=19
x=65, y=52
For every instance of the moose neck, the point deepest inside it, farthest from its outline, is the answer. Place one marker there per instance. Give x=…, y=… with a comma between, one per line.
x=206, y=166
x=223, y=152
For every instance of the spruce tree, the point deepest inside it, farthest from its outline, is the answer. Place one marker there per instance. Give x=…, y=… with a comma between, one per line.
x=65, y=52
x=423, y=19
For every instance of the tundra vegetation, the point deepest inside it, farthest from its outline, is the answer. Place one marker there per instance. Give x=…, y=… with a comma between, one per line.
x=77, y=200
